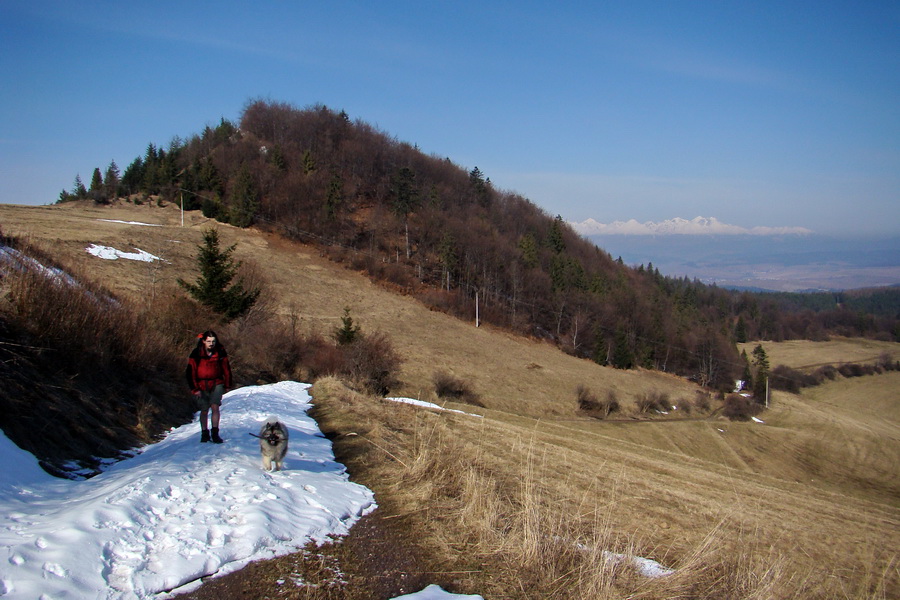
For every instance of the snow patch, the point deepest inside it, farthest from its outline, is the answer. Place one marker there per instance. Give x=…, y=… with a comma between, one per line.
x=109, y=253
x=431, y=405
x=130, y=222
x=176, y=511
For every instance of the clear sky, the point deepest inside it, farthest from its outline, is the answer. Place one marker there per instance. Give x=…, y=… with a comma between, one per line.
x=764, y=113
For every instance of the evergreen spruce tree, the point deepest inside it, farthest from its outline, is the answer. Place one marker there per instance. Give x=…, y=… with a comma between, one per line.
x=334, y=197
x=529, y=248
x=347, y=333
x=740, y=330
x=111, y=181
x=555, y=237
x=622, y=356
x=78, y=190
x=760, y=380
x=243, y=202
x=96, y=189
x=213, y=287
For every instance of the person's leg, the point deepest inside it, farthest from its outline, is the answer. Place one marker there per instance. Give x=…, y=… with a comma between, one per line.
x=215, y=402
x=203, y=407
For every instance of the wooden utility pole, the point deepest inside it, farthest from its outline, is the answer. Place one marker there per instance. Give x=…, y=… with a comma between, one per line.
x=477, y=316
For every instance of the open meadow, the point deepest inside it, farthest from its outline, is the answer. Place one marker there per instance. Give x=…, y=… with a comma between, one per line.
x=526, y=499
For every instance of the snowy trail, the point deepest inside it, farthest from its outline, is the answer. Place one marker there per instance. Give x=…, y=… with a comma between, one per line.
x=177, y=511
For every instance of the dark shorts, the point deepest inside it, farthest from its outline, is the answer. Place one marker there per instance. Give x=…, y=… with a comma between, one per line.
x=214, y=396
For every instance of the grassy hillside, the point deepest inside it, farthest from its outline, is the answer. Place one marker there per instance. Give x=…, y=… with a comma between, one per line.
x=805, y=355
x=522, y=503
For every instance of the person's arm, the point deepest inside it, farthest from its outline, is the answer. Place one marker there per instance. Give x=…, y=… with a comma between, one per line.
x=190, y=373
x=226, y=372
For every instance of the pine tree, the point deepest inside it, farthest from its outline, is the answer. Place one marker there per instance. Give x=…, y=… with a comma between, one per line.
x=213, y=287
x=740, y=330
x=529, y=248
x=96, y=189
x=622, y=356
x=111, y=181
x=334, y=197
x=555, y=238
x=243, y=202
x=347, y=333
x=78, y=189
x=761, y=379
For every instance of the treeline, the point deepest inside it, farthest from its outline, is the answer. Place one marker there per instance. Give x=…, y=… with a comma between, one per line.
x=450, y=237
x=877, y=302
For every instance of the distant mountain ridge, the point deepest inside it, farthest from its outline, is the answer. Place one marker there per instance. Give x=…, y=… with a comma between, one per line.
x=679, y=226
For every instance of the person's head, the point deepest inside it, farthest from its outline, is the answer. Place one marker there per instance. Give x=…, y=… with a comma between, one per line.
x=208, y=339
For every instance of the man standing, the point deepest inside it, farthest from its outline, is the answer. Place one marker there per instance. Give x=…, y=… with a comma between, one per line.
x=209, y=375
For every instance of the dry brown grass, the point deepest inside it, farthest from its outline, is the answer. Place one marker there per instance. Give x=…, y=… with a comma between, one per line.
x=527, y=510
x=807, y=356
x=508, y=372
x=523, y=502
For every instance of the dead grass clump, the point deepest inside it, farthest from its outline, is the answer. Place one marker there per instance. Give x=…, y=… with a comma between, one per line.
x=450, y=387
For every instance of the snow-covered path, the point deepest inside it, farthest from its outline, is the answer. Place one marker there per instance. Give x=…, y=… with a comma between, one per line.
x=176, y=511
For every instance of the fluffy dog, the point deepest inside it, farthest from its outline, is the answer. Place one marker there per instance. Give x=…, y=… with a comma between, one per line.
x=273, y=444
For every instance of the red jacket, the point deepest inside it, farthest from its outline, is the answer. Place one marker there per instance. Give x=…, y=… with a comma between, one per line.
x=206, y=371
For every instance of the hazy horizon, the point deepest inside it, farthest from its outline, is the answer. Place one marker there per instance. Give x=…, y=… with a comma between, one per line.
x=774, y=262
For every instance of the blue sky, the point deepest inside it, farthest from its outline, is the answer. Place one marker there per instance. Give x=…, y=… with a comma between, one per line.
x=775, y=114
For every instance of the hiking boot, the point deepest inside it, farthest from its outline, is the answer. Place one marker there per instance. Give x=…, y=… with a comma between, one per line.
x=215, y=436
x=204, y=436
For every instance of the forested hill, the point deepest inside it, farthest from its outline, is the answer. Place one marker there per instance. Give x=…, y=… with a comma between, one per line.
x=448, y=236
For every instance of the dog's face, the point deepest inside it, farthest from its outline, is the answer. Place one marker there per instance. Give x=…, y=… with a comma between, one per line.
x=273, y=433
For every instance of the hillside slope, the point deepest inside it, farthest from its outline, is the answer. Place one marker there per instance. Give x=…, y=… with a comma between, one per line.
x=809, y=496
x=509, y=372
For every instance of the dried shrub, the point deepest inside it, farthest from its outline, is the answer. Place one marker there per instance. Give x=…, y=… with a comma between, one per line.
x=650, y=401
x=740, y=408
x=592, y=406
x=791, y=380
x=827, y=372
x=587, y=400
x=702, y=401
x=449, y=387
x=371, y=362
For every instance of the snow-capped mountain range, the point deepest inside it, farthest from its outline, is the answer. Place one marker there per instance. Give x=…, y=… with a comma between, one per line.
x=679, y=226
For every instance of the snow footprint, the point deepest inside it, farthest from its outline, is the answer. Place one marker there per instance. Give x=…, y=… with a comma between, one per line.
x=56, y=569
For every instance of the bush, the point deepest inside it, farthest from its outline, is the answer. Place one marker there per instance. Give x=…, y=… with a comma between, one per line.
x=827, y=372
x=702, y=401
x=791, y=380
x=740, y=408
x=371, y=362
x=449, y=387
x=658, y=401
x=94, y=370
x=589, y=404
x=587, y=400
